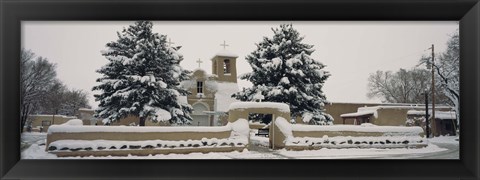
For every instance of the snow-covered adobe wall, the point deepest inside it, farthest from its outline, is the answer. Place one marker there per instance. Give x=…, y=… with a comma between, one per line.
x=74, y=139
x=300, y=137
x=241, y=110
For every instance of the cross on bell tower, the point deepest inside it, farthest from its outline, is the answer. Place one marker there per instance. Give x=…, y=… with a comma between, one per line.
x=224, y=44
x=199, y=62
x=224, y=65
x=170, y=42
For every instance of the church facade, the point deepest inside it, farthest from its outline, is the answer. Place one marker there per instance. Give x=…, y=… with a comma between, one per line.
x=211, y=93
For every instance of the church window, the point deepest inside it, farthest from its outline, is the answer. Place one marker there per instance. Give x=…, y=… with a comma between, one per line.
x=214, y=67
x=226, y=66
x=199, y=87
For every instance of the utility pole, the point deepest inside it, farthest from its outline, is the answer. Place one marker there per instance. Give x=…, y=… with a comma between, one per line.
x=427, y=123
x=434, y=127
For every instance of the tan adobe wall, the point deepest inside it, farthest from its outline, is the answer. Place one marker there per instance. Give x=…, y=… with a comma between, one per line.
x=390, y=117
x=137, y=136
x=319, y=134
x=396, y=116
x=281, y=137
x=208, y=97
x=163, y=134
x=87, y=116
x=146, y=152
x=133, y=119
x=336, y=109
x=274, y=136
x=200, y=75
x=243, y=113
x=36, y=120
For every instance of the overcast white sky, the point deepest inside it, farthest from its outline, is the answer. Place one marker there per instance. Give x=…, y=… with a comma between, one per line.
x=350, y=50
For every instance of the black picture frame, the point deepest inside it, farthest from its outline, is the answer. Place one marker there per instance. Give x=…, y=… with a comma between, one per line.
x=467, y=12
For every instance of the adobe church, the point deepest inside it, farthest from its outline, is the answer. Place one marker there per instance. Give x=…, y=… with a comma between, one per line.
x=211, y=93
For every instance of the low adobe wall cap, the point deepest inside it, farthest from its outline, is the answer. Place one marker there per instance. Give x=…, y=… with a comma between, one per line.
x=247, y=105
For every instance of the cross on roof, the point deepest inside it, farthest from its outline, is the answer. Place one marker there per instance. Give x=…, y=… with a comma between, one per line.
x=199, y=62
x=224, y=45
x=170, y=42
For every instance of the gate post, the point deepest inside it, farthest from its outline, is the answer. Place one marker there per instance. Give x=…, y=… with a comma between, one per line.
x=276, y=136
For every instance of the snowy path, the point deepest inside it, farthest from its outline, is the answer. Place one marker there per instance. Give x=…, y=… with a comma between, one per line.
x=260, y=152
x=28, y=139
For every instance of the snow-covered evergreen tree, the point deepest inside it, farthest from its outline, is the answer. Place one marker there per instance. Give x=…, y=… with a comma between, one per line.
x=283, y=71
x=142, y=78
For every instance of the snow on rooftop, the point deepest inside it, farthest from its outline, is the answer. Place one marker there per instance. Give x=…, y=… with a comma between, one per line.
x=438, y=114
x=242, y=105
x=223, y=95
x=373, y=110
x=203, y=72
x=356, y=114
x=199, y=69
x=389, y=104
x=51, y=115
x=73, y=122
x=225, y=53
x=399, y=106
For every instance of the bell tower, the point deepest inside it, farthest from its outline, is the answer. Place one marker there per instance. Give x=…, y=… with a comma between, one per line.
x=224, y=65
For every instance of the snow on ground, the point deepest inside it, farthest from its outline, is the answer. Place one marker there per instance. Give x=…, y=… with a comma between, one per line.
x=257, y=151
x=353, y=153
x=445, y=139
x=29, y=138
x=37, y=151
x=258, y=140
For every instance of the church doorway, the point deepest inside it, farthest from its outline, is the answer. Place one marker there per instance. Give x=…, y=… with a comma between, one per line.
x=200, y=118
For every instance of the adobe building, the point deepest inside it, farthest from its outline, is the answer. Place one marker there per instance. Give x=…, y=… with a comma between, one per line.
x=335, y=109
x=41, y=122
x=87, y=116
x=210, y=93
x=445, y=121
x=399, y=115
